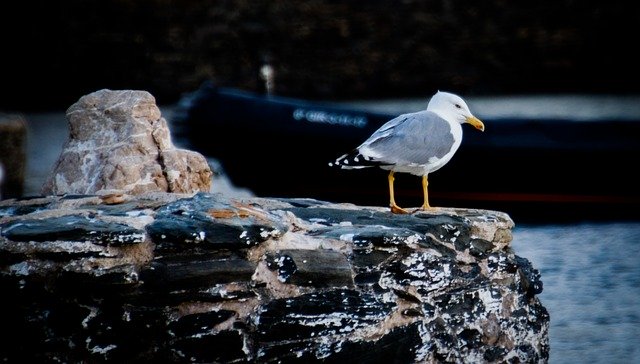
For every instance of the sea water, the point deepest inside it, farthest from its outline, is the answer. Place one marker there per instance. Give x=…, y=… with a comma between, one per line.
x=591, y=288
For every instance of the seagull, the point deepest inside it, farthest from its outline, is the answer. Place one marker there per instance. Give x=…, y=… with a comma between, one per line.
x=417, y=143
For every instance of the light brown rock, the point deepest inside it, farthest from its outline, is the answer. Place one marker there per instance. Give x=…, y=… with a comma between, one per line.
x=118, y=140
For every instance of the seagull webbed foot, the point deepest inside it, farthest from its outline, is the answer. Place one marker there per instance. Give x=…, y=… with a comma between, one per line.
x=398, y=210
x=426, y=208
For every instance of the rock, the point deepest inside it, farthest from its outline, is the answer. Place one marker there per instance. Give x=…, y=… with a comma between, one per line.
x=13, y=155
x=118, y=140
x=202, y=278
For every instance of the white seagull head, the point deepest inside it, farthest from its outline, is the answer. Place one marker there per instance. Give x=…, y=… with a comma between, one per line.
x=452, y=107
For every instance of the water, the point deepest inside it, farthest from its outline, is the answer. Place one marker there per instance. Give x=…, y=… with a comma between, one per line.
x=590, y=270
x=591, y=280
x=46, y=134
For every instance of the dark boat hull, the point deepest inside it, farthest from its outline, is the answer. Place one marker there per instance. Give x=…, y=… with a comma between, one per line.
x=532, y=169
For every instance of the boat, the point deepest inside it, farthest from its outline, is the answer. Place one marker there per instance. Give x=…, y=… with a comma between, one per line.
x=533, y=169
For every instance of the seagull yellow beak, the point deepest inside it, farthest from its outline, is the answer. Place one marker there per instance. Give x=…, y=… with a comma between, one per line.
x=475, y=122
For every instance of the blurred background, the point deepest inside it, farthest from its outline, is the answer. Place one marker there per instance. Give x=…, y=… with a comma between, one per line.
x=565, y=58
x=55, y=52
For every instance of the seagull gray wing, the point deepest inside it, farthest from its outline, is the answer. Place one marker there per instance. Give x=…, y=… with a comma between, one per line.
x=410, y=139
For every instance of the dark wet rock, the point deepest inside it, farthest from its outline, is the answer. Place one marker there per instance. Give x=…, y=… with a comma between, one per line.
x=20, y=210
x=199, y=323
x=198, y=339
x=197, y=271
x=225, y=346
x=317, y=268
x=337, y=313
x=531, y=281
x=72, y=228
x=207, y=222
x=294, y=328
x=162, y=277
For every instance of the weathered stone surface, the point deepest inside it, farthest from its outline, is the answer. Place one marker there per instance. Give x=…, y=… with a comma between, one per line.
x=200, y=278
x=72, y=228
x=288, y=327
x=207, y=222
x=118, y=140
x=318, y=268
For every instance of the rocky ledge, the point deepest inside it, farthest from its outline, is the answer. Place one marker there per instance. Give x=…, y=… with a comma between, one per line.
x=166, y=277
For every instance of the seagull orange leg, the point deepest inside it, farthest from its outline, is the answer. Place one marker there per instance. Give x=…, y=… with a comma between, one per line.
x=392, y=203
x=425, y=184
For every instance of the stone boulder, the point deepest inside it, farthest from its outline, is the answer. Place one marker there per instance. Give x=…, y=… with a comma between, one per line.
x=118, y=140
x=165, y=277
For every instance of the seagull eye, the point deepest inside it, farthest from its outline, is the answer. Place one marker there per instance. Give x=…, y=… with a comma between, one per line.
x=458, y=106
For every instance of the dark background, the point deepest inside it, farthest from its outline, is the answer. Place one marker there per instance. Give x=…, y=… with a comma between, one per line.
x=54, y=52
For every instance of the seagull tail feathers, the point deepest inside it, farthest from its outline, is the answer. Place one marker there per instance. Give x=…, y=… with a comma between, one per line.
x=354, y=160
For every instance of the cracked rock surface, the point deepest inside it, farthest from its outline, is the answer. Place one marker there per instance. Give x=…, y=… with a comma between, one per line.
x=201, y=278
